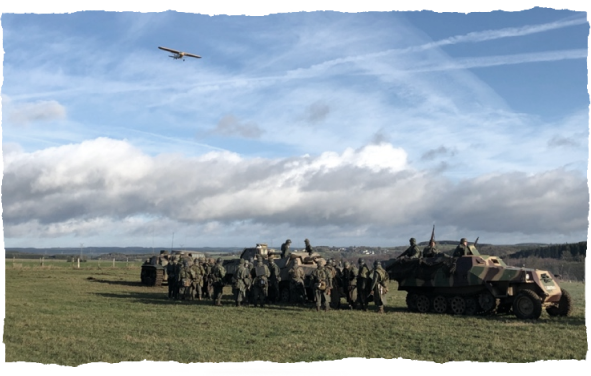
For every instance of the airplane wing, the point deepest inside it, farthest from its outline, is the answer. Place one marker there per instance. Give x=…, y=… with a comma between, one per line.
x=169, y=50
x=197, y=56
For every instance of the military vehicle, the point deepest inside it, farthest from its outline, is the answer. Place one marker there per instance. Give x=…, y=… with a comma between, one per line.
x=477, y=284
x=154, y=270
x=306, y=261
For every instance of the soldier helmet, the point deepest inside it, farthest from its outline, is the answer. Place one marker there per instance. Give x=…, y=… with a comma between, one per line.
x=463, y=240
x=413, y=240
x=347, y=264
x=288, y=241
x=219, y=260
x=306, y=241
x=242, y=261
x=320, y=262
x=376, y=263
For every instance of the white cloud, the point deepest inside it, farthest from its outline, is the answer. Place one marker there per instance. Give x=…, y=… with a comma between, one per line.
x=88, y=188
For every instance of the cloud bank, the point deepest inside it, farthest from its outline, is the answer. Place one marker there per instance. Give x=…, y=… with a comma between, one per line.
x=75, y=189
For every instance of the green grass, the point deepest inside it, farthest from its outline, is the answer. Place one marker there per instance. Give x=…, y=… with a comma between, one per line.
x=68, y=316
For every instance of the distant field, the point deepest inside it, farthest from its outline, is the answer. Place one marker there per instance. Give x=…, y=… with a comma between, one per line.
x=61, y=315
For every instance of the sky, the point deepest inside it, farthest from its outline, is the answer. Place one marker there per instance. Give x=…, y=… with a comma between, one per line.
x=344, y=128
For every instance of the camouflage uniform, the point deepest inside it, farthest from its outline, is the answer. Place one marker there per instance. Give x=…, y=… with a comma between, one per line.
x=208, y=278
x=462, y=249
x=297, y=290
x=430, y=250
x=379, y=285
x=348, y=277
x=274, y=280
x=241, y=281
x=334, y=273
x=197, y=273
x=218, y=272
x=322, y=286
x=413, y=251
x=171, y=272
x=184, y=279
x=363, y=284
x=285, y=248
x=260, y=274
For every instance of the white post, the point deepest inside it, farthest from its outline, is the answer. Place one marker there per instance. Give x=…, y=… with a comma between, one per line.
x=113, y=262
x=127, y=262
x=78, y=262
x=41, y=261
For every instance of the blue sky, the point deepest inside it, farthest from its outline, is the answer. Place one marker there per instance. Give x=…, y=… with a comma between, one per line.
x=345, y=128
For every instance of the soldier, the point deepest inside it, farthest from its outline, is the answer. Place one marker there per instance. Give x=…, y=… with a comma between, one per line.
x=197, y=273
x=334, y=273
x=348, y=277
x=184, y=280
x=241, y=281
x=362, y=284
x=206, y=270
x=462, y=249
x=218, y=272
x=285, y=248
x=177, y=271
x=274, y=280
x=297, y=289
x=322, y=285
x=411, y=252
x=309, y=248
x=209, y=270
x=430, y=250
x=379, y=285
x=260, y=274
x=171, y=272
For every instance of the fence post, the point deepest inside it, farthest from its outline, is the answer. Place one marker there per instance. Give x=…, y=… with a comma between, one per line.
x=113, y=262
x=42, y=261
x=78, y=262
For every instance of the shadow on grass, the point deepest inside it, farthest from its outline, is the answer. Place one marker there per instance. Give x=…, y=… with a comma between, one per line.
x=120, y=283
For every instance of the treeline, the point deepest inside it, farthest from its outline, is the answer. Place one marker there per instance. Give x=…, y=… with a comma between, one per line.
x=567, y=252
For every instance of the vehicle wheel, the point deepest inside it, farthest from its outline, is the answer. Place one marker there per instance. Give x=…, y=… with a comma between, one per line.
x=411, y=301
x=487, y=302
x=527, y=305
x=471, y=306
x=423, y=303
x=457, y=305
x=439, y=304
x=284, y=295
x=564, y=307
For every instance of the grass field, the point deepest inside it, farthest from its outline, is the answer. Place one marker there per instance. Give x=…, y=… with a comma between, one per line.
x=61, y=315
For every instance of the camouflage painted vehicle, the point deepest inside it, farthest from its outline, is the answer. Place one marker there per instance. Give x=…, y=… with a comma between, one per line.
x=477, y=284
x=154, y=270
x=248, y=254
x=307, y=262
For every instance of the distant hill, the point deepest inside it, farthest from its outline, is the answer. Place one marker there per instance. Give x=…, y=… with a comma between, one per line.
x=556, y=251
x=110, y=250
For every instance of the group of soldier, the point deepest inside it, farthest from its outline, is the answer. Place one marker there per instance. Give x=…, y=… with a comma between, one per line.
x=195, y=278
x=257, y=283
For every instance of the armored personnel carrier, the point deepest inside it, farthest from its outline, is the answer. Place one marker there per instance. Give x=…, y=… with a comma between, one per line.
x=306, y=261
x=477, y=284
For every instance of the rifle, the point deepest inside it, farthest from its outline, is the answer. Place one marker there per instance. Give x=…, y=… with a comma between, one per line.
x=476, y=242
x=432, y=235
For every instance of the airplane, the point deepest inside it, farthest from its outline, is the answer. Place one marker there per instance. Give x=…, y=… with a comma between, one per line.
x=179, y=54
